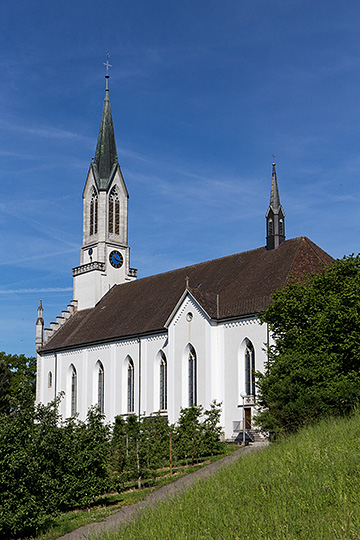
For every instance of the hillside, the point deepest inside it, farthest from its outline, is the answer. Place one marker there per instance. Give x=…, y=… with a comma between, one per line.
x=304, y=487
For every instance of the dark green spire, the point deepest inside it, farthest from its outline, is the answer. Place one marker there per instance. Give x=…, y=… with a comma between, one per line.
x=106, y=158
x=274, y=194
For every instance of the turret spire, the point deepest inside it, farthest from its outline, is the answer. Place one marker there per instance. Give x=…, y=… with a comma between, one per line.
x=106, y=158
x=275, y=216
x=39, y=328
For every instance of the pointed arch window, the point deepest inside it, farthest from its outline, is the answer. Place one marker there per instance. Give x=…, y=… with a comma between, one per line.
x=49, y=379
x=73, y=391
x=94, y=213
x=270, y=227
x=163, y=382
x=114, y=212
x=250, y=369
x=130, y=387
x=281, y=227
x=192, y=376
x=100, y=400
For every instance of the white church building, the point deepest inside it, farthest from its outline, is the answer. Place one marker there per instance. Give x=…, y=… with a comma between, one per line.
x=164, y=342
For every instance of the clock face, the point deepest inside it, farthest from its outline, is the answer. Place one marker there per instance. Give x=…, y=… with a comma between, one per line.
x=116, y=259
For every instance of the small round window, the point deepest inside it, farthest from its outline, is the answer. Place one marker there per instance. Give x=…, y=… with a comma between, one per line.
x=189, y=316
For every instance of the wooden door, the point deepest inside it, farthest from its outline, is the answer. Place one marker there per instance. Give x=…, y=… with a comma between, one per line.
x=247, y=418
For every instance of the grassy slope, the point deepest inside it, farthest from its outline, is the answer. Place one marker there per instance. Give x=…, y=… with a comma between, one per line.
x=305, y=487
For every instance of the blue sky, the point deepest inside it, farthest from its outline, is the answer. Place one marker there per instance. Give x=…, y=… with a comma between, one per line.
x=202, y=94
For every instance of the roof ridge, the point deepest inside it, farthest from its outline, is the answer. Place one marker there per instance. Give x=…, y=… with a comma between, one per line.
x=196, y=264
x=245, y=281
x=302, y=238
x=313, y=245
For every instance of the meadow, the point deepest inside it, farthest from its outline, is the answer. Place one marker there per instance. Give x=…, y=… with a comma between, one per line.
x=303, y=487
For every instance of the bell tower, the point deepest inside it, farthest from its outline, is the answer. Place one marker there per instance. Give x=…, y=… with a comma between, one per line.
x=275, y=216
x=105, y=253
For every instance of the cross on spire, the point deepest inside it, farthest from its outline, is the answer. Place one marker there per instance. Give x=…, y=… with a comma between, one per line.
x=107, y=65
x=273, y=156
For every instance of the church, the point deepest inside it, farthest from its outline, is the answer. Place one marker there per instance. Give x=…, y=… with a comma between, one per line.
x=169, y=341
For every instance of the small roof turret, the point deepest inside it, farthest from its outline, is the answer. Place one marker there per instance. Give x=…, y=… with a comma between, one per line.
x=275, y=215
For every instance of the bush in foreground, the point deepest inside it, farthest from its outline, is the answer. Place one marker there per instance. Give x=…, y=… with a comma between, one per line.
x=47, y=465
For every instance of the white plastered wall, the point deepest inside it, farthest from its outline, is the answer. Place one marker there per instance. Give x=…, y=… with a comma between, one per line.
x=220, y=367
x=191, y=325
x=235, y=333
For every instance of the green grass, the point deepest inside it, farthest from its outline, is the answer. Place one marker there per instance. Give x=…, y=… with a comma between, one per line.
x=305, y=487
x=108, y=504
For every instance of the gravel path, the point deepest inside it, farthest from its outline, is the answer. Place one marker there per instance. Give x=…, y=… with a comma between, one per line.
x=128, y=512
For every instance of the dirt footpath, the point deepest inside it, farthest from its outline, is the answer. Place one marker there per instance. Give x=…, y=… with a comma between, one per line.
x=128, y=512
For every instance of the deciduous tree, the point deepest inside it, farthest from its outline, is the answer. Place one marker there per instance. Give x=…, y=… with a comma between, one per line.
x=22, y=371
x=314, y=366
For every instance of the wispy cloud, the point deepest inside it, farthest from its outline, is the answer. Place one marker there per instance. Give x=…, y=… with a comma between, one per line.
x=32, y=291
x=48, y=254
x=52, y=132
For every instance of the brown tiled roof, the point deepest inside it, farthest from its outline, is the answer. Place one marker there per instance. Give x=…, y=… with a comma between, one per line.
x=244, y=283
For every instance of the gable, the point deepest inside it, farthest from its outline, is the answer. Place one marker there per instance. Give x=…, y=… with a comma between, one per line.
x=186, y=302
x=117, y=180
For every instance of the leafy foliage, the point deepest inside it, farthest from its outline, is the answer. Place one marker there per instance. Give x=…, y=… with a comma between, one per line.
x=186, y=438
x=211, y=431
x=315, y=363
x=197, y=432
x=49, y=465
x=15, y=371
x=5, y=376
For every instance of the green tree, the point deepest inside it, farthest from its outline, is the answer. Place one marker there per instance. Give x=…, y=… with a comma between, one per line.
x=155, y=434
x=48, y=465
x=83, y=455
x=22, y=370
x=314, y=366
x=118, y=445
x=211, y=431
x=187, y=436
x=135, y=465
x=23, y=502
x=5, y=377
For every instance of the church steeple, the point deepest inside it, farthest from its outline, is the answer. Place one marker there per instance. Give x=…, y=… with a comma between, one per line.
x=105, y=253
x=106, y=158
x=275, y=216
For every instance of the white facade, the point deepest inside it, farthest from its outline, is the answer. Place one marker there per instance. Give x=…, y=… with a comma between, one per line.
x=220, y=369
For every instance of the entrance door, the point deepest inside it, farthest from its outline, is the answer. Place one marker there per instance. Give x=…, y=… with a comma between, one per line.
x=247, y=418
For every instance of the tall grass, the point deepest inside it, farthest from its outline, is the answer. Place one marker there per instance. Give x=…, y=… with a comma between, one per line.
x=305, y=487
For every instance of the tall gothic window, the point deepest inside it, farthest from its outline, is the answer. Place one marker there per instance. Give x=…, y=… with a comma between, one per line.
x=163, y=382
x=192, y=377
x=250, y=369
x=114, y=212
x=49, y=379
x=94, y=213
x=130, y=387
x=73, y=391
x=100, y=399
x=270, y=227
x=281, y=227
